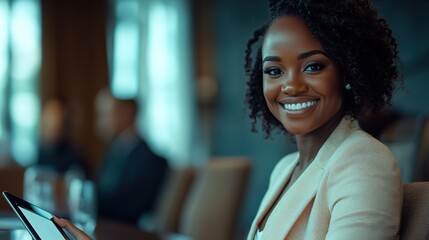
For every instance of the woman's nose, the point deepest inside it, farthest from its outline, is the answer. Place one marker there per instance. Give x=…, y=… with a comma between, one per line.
x=293, y=84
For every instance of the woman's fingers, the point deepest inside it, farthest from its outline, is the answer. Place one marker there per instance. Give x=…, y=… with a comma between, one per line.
x=72, y=229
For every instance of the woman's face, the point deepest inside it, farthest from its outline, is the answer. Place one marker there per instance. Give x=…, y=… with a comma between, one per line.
x=302, y=85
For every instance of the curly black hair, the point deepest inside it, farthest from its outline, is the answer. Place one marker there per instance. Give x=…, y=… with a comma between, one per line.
x=353, y=35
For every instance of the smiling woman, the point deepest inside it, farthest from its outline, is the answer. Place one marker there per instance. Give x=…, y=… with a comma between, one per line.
x=320, y=66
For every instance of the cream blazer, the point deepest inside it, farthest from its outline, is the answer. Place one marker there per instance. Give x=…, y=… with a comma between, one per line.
x=351, y=190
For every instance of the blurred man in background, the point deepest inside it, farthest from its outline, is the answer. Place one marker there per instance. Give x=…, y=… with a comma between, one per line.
x=131, y=174
x=57, y=149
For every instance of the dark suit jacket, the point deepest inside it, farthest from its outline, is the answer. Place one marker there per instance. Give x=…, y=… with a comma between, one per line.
x=62, y=156
x=129, y=180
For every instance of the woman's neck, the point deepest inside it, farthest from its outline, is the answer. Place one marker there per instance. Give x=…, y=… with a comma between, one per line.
x=309, y=144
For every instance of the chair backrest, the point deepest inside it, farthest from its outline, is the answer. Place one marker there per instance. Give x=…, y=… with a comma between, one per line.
x=171, y=200
x=422, y=155
x=408, y=139
x=415, y=212
x=401, y=138
x=212, y=208
x=11, y=180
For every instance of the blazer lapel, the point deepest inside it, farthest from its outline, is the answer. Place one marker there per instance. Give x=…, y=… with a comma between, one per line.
x=272, y=194
x=293, y=203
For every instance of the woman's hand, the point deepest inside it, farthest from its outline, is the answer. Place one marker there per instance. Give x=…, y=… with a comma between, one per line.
x=72, y=229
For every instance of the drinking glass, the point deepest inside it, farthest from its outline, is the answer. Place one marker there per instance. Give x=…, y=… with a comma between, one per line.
x=82, y=204
x=39, y=187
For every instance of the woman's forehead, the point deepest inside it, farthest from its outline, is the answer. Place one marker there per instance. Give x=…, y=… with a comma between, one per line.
x=289, y=32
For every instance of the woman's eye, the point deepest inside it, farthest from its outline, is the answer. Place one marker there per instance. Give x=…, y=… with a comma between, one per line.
x=273, y=72
x=314, y=67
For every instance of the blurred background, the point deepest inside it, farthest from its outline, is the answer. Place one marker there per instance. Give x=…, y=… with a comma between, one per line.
x=182, y=60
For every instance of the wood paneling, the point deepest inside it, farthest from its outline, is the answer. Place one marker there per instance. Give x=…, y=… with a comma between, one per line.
x=74, y=62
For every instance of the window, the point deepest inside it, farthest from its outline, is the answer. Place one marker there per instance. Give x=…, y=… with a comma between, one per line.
x=151, y=60
x=126, y=49
x=20, y=57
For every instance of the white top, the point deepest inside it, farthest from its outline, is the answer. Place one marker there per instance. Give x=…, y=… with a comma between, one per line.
x=258, y=235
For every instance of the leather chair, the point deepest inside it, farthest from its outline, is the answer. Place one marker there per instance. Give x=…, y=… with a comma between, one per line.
x=170, y=203
x=421, y=170
x=408, y=139
x=401, y=138
x=212, y=208
x=415, y=212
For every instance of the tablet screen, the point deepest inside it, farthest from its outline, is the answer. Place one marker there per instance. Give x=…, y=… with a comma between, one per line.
x=45, y=228
x=38, y=222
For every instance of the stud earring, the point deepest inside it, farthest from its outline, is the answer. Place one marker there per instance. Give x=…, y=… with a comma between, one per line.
x=348, y=86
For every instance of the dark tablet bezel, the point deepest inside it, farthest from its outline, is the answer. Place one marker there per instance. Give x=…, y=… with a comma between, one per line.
x=16, y=202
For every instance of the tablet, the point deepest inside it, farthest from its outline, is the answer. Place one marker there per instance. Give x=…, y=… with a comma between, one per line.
x=38, y=222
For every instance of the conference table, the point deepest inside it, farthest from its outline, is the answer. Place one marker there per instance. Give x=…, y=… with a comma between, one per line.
x=12, y=229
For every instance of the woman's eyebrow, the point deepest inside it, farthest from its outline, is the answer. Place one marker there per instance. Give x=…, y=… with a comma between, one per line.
x=300, y=56
x=311, y=53
x=271, y=59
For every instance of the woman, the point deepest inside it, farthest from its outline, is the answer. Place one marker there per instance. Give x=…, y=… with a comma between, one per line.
x=321, y=65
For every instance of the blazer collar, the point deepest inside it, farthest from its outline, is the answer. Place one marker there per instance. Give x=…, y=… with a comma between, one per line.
x=298, y=196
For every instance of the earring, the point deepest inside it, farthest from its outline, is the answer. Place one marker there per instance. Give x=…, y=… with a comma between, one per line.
x=348, y=86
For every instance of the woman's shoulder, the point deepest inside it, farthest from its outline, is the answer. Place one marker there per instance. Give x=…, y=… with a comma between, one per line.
x=363, y=183
x=361, y=149
x=360, y=140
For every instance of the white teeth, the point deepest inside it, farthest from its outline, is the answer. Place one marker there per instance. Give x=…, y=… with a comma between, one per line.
x=299, y=106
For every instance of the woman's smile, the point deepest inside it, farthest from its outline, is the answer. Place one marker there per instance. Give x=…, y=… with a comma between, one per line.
x=298, y=107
